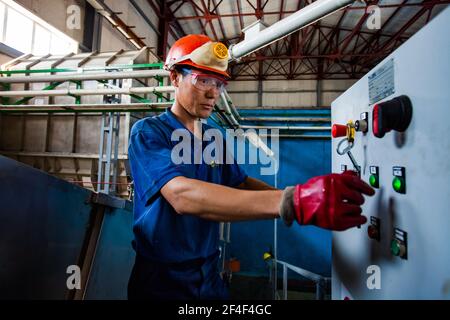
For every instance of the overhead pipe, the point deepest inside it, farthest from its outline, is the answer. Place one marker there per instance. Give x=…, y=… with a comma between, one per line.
x=88, y=76
x=94, y=106
x=302, y=18
x=86, y=92
x=151, y=106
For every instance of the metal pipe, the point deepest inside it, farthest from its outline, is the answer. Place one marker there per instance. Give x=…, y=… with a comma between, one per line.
x=324, y=108
x=286, y=119
x=295, y=136
x=306, y=16
x=85, y=92
x=283, y=91
x=133, y=107
x=288, y=128
x=57, y=155
x=87, y=76
x=228, y=110
x=221, y=114
x=233, y=108
x=318, y=279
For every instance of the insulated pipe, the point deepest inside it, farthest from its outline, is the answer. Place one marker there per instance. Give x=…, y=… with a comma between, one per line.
x=233, y=108
x=88, y=106
x=228, y=110
x=285, y=119
x=295, y=136
x=85, y=92
x=87, y=76
x=288, y=128
x=309, y=14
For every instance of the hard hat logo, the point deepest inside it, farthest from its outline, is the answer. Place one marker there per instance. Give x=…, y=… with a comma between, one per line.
x=220, y=50
x=212, y=55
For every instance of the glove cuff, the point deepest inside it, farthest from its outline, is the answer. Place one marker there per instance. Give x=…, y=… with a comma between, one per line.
x=287, y=211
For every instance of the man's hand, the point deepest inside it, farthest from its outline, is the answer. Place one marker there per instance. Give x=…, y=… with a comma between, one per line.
x=331, y=202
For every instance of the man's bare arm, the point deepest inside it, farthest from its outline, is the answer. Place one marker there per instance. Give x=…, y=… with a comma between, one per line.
x=219, y=203
x=255, y=184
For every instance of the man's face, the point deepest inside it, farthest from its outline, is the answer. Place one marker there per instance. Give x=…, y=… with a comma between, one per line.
x=197, y=100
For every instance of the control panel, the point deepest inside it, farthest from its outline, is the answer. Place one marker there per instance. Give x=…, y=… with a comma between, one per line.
x=392, y=127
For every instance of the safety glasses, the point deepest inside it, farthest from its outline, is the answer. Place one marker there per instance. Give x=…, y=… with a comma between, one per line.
x=205, y=82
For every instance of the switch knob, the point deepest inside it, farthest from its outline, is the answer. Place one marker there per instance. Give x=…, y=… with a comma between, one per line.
x=361, y=125
x=395, y=114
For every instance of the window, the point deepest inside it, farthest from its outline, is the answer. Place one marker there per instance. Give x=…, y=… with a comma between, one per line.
x=59, y=45
x=27, y=33
x=2, y=20
x=41, y=43
x=19, y=31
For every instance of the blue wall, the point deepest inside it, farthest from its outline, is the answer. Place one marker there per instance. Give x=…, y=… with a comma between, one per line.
x=304, y=246
x=307, y=247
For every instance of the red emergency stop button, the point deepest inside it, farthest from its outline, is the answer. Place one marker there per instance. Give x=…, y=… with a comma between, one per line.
x=339, y=130
x=390, y=115
x=373, y=232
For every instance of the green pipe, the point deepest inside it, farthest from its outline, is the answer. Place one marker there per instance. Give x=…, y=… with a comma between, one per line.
x=160, y=83
x=79, y=86
x=127, y=66
x=49, y=110
x=7, y=87
x=140, y=99
x=215, y=121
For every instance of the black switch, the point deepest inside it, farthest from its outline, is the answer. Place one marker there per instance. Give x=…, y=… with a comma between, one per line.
x=395, y=114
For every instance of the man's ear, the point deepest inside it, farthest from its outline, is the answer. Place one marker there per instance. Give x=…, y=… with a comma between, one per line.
x=175, y=78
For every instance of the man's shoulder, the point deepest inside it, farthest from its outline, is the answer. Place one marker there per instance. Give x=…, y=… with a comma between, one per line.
x=148, y=125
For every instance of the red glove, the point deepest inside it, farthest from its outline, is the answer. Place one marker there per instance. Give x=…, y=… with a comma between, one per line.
x=331, y=202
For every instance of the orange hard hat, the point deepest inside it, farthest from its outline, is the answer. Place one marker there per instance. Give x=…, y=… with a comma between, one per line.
x=199, y=51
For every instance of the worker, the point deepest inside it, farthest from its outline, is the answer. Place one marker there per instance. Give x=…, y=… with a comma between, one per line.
x=178, y=207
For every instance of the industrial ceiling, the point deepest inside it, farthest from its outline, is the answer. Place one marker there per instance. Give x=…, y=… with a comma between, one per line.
x=340, y=46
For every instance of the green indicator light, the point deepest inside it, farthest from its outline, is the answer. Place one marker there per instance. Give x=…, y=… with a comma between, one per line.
x=373, y=180
x=398, y=184
x=395, y=248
